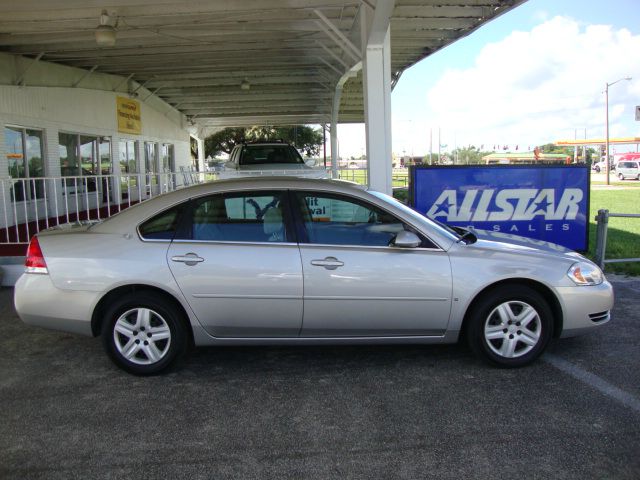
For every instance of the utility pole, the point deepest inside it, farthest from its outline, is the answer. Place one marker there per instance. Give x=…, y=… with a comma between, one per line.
x=606, y=153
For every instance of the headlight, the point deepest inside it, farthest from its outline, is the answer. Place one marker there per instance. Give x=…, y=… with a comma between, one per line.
x=584, y=273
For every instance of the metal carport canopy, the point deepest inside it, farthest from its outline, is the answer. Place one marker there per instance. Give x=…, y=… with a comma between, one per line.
x=246, y=62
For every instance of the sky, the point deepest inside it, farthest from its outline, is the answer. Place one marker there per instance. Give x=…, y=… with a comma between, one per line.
x=534, y=75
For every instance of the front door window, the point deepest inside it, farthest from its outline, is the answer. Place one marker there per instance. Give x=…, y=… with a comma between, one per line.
x=339, y=220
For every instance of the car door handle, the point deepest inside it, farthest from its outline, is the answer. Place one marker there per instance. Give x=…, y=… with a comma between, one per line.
x=330, y=263
x=190, y=259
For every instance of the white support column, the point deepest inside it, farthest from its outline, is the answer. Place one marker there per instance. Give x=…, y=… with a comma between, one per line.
x=335, y=110
x=115, y=186
x=334, y=130
x=334, y=149
x=376, y=47
x=202, y=167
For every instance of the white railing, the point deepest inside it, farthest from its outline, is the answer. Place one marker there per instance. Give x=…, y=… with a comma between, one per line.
x=30, y=205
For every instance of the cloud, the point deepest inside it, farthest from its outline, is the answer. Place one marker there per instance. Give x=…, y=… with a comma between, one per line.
x=540, y=85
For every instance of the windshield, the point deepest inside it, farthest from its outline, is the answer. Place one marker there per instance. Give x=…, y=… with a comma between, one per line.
x=269, y=154
x=443, y=229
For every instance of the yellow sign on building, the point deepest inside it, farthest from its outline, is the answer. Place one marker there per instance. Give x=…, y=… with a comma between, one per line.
x=128, y=112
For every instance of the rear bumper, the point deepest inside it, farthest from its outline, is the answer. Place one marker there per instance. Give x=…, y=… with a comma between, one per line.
x=585, y=308
x=38, y=302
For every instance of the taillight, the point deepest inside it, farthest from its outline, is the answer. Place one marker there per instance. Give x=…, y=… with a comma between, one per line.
x=34, y=262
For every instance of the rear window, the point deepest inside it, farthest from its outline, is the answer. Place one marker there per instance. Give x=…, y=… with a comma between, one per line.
x=269, y=154
x=163, y=226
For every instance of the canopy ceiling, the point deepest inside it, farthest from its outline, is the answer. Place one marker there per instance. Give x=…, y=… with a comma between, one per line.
x=198, y=55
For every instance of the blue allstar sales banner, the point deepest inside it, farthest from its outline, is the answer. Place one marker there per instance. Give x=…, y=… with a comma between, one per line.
x=548, y=203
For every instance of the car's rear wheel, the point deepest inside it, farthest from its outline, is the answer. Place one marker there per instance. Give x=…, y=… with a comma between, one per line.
x=511, y=327
x=143, y=333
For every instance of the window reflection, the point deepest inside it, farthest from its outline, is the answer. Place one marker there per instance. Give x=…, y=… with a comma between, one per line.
x=25, y=162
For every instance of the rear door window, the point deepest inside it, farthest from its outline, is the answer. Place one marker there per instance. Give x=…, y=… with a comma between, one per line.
x=238, y=217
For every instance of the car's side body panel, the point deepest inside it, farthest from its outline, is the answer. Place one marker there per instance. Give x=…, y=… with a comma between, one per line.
x=241, y=290
x=377, y=291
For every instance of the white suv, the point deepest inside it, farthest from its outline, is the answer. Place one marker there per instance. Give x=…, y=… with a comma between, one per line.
x=269, y=158
x=628, y=169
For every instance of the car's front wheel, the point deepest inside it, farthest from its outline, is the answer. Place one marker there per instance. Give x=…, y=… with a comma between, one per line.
x=511, y=326
x=621, y=176
x=143, y=333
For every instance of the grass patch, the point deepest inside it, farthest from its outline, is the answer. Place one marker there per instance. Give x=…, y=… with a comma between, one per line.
x=623, y=238
x=398, y=178
x=618, y=183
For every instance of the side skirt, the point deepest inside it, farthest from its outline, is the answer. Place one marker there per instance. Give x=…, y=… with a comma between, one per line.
x=202, y=338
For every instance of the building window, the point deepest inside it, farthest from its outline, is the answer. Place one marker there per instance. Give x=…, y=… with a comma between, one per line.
x=128, y=157
x=69, y=154
x=168, y=160
x=104, y=154
x=150, y=163
x=85, y=157
x=25, y=161
x=128, y=167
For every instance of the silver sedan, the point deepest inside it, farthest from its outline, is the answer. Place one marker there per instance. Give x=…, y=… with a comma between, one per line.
x=301, y=261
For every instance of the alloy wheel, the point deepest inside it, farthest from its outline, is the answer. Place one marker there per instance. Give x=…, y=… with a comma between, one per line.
x=512, y=329
x=142, y=336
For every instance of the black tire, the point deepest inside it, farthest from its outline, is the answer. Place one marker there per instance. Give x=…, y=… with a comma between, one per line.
x=597, y=169
x=141, y=315
x=620, y=176
x=516, y=302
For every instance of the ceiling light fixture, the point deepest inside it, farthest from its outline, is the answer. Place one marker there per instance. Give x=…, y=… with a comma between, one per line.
x=105, y=33
x=245, y=85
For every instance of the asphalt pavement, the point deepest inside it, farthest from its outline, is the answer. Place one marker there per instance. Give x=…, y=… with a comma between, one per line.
x=369, y=412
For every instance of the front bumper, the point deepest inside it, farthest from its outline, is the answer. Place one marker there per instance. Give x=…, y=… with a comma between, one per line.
x=585, y=307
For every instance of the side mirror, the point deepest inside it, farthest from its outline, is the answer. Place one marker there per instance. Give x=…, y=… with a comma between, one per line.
x=405, y=239
x=311, y=162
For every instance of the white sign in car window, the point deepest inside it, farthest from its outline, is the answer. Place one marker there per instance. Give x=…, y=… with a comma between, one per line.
x=248, y=208
x=331, y=210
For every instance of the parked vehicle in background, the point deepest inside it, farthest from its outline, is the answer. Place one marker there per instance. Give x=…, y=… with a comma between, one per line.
x=629, y=169
x=620, y=157
x=601, y=166
x=269, y=158
x=283, y=260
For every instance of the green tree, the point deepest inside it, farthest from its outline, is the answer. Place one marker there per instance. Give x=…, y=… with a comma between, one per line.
x=468, y=155
x=224, y=141
x=304, y=138
x=551, y=148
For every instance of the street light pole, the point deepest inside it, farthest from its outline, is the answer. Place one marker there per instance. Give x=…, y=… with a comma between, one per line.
x=606, y=154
